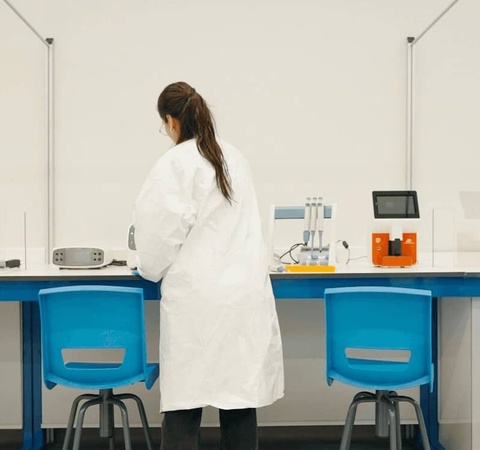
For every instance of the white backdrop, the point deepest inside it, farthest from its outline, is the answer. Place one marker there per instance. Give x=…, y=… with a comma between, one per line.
x=314, y=93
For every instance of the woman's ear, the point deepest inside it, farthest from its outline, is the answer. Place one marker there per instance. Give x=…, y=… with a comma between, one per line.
x=169, y=121
x=173, y=127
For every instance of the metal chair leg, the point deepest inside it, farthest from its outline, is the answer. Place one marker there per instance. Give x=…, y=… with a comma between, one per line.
x=347, y=429
x=393, y=424
x=143, y=417
x=392, y=396
x=106, y=400
x=421, y=421
x=349, y=422
x=71, y=418
x=363, y=394
x=80, y=418
x=126, y=426
x=398, y=425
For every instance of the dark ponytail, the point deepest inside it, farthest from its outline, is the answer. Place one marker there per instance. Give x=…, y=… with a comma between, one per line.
x=183, y=103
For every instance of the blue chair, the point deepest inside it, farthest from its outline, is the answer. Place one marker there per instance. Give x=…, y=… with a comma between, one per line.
x=96, y=317
x=363, y=323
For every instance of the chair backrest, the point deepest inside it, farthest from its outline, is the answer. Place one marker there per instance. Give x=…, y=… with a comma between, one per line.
x=363, y=322
x=92, y=317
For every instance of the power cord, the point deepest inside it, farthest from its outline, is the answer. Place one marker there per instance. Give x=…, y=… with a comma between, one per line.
x=298, y=244
x=355, y=259
x=345, y=244
x=289, y=252
x=117, y=262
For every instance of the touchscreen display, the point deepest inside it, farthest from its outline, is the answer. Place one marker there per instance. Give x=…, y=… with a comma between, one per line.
x=395, y=205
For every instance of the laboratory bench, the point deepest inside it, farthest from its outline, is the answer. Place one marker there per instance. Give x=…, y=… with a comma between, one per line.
x=452, y=411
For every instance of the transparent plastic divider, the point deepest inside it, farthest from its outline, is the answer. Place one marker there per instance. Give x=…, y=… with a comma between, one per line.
x=444, y=236
x=13, y=240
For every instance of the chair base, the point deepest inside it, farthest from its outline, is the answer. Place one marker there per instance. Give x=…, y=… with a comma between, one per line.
x=106, y=401
x=387, y=418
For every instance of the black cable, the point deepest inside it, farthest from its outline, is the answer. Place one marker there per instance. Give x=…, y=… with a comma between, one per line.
x=116, y=262
x=345, y=244
x=354, y=259
x=289, y=252
x=294, y=246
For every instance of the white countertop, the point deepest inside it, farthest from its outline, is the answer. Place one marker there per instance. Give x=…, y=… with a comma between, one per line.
x=51, y=271
x=453, y=264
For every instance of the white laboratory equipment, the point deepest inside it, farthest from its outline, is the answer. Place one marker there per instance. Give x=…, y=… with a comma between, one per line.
x=318, y=247
x=81, y=257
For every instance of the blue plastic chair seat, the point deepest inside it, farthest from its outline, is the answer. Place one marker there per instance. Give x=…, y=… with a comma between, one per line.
x=377, y=381
x=378, y=318
x=104, y=318
x=390, y=332
x=89, y=374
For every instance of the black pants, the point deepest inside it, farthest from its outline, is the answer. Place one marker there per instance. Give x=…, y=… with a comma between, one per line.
x=238, y=428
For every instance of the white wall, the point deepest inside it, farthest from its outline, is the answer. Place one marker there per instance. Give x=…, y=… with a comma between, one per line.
x=314, y=93
x=22, y=132
x=447, y=108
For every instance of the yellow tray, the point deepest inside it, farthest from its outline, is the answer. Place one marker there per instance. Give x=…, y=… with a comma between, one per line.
x=300, y=268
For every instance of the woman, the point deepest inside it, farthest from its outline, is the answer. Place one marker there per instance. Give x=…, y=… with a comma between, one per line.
x=197, y=228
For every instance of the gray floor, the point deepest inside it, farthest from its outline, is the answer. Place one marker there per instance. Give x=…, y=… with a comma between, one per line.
x=268, y=446
x=270, y=438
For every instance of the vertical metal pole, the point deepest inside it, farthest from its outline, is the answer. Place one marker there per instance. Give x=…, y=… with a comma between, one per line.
x=49, y=233
x=411, y=41
x=409, y=156
x=50, y=153
x=381, y=415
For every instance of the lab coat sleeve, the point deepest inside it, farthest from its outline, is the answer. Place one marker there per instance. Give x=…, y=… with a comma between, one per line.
x=164, y=214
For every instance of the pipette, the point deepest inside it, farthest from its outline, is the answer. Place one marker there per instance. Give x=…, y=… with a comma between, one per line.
x=308, y=217
x=313, y=224
x=320, y=222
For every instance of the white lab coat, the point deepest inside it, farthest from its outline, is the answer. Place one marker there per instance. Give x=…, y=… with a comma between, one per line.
x=220, y=341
